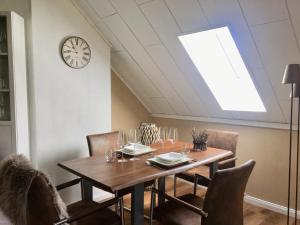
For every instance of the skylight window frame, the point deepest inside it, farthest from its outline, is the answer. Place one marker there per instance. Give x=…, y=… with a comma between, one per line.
x=236, y=63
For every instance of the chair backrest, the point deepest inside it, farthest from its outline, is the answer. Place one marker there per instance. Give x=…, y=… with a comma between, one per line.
x=99, y=142
x=225, y=194
x=41, y=207
x=225, y=140
x=27, y=196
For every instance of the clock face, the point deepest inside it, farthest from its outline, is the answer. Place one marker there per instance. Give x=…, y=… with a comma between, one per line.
x=76, y=52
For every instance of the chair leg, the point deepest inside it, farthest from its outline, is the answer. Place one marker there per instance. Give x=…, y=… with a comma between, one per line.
x=195, y=185
x=152, y=206
x=117, y=205
x=175, y=182
x=121, y=202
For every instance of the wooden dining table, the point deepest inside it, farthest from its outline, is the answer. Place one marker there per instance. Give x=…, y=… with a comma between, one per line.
x=115, y=176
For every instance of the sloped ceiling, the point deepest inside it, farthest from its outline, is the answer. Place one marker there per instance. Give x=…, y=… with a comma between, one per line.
x=149, y=58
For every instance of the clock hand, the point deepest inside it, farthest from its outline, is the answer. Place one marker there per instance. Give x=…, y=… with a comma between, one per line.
x=73, y=45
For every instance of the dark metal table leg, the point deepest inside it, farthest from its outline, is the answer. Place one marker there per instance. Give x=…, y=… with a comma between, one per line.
x=137, y=204
x=86, y=190
x=161, y=189
x=213, y=169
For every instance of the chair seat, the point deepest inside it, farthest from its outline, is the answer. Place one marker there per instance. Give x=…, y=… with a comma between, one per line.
x=172, y=213
x=190, y=175
x=105, y=216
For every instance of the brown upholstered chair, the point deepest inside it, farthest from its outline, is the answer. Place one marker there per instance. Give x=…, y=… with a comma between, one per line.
x=28, y=197
x=42, y=211
x=216, y=139
x=222, y=205
x=97, y=144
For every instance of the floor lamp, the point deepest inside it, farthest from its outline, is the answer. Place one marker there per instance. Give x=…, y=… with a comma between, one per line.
x=292, y=76
x=296, y=94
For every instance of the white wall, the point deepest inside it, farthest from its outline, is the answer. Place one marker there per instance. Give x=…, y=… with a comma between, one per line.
x=22, y=7
x=67, y=103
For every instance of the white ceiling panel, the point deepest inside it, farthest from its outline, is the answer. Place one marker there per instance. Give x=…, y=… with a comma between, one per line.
x=102, y=7
x=150, y=59
x=142, y=1
x=177, y=104
x=134, y=18
x=140, y=56
x=264, y=11
x=188, y=15
x=268, y=95
x=134, y=48
x=277, y=47
x=116, y=45
x=176, y=79
x=228, y=13
x=125, y=76
x=168, y=32
x=160, y=105
x=135, y=74
x=90, y=13
x=293, y=6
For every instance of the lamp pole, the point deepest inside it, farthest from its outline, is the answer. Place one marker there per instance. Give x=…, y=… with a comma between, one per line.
x=296, y=94
x=292, y=76
x=290, y=156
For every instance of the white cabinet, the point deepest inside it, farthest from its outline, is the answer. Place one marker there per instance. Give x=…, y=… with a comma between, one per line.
x=14, y=134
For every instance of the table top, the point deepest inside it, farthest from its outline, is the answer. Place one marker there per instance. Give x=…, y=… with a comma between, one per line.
x=116, y=176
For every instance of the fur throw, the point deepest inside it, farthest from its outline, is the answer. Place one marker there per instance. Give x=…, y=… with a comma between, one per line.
x=16, y=176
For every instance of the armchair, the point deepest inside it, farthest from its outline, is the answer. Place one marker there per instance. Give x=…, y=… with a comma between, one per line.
x=217, y=139
x=28, y=197
x=222, y=205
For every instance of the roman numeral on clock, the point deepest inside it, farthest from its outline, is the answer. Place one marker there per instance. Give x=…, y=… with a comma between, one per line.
x=67, y=57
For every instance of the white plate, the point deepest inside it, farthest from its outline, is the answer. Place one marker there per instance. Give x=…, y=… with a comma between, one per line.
x=170, y=157
x=136, y=153
x=169, y=164
x=135, y=147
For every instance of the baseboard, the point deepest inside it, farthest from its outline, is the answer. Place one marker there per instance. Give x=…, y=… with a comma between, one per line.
x=269, y=205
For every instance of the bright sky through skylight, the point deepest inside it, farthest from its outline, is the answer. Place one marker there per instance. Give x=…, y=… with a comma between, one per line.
x=218, y=60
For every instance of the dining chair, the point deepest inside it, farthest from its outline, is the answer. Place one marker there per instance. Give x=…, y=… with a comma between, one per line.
x=216, y=139
x=222, y=204
x=28, y=197
x=97, y=144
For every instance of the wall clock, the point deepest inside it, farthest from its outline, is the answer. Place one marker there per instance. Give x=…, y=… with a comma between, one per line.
x=76, y=52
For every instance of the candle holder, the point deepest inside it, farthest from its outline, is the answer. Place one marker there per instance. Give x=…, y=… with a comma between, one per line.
x=199, y=140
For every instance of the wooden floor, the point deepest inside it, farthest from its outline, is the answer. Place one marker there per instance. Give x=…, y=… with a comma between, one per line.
x=253, y=215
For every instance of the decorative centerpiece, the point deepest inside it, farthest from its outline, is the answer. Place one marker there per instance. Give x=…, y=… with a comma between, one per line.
x=199, y=139
x=149, y=133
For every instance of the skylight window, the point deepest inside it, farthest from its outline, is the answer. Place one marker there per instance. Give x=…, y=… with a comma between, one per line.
x=218, y=60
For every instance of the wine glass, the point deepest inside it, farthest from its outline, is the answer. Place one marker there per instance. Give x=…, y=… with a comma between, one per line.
x=120, y=145
x=109, y=153
x=162, y=136
x=133, y=139
x=186, y=149
x=173, y=135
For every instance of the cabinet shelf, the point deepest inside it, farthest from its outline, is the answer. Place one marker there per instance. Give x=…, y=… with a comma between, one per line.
x=13, y=86
x=5, y=122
